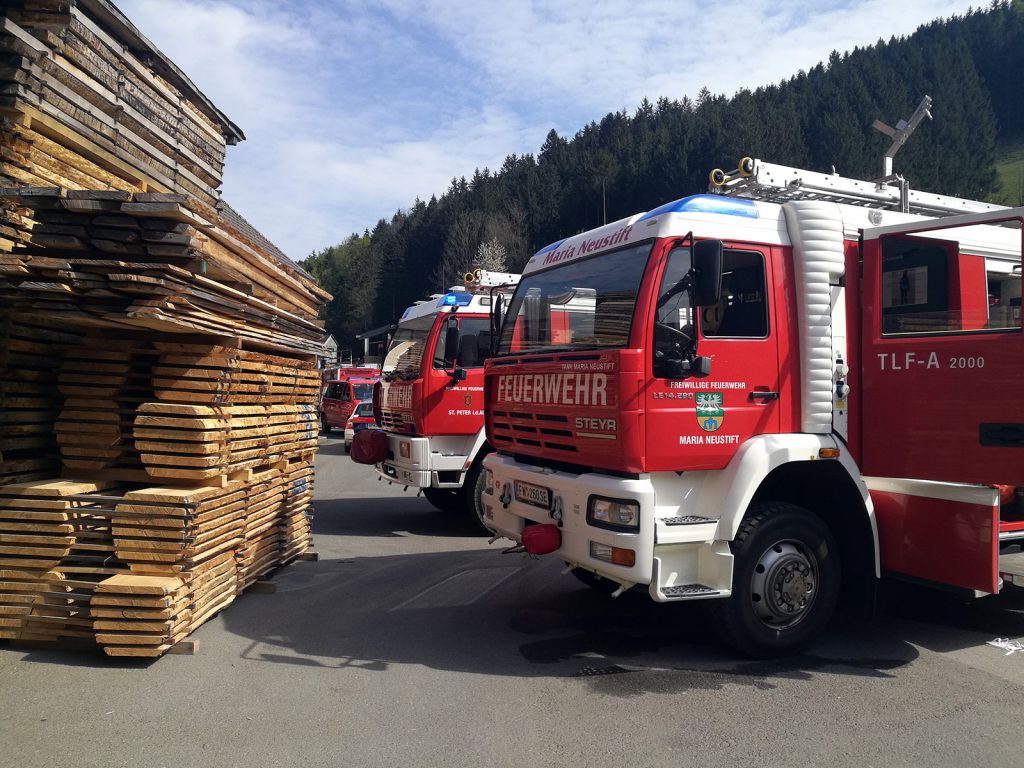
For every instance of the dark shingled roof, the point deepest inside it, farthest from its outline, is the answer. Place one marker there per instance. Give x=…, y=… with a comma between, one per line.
x=236, y=221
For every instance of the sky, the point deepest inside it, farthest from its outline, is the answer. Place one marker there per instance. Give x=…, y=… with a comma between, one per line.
x=353, y=109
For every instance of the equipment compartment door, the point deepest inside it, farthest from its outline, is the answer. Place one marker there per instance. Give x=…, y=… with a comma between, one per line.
x=942, y=414
x=943, y=354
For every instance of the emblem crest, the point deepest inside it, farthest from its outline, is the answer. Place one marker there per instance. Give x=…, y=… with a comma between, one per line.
x=467, y=400
x=710, y=412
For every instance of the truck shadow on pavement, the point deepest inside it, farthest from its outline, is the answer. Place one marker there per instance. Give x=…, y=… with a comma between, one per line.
x=391, y=516
x=470, y=609
x=371, y=613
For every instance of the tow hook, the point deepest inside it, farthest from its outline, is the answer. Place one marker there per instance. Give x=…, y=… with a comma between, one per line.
x=506, y=495
x=556, y=510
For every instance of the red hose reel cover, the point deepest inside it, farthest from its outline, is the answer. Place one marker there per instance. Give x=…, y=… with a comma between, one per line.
x=369, y=446
x=541, y=539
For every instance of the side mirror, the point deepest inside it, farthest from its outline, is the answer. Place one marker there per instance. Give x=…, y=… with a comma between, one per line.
x=497, y=308
x=451, y=341
x=707, y=272
x=679, y=369
x=459, y=374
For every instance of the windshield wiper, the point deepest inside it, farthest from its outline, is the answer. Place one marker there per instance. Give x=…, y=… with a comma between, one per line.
x=564, y=348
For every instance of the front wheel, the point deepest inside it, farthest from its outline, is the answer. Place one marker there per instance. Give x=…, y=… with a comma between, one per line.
x=785, y=582
x=443, y=499
x=473, y=489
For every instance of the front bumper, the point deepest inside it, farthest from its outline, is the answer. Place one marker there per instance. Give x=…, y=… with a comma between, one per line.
x=427, y=462
x=676, y=561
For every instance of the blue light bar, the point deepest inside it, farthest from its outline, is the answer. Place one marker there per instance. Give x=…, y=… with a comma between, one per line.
x=729, y=206
x=456, y=299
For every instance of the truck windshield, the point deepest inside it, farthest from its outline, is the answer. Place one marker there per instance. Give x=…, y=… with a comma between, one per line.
x=580, y=305
x=406, y=351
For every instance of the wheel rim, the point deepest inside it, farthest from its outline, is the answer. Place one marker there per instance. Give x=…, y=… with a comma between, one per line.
x=784, y=584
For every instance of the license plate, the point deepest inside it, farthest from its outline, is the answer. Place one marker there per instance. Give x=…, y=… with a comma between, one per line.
x=533, y=494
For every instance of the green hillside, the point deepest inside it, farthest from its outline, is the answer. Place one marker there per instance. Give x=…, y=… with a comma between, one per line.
x=622, y=163
x=1010, y=172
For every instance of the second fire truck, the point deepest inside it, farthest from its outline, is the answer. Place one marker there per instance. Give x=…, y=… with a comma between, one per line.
x=430, y=397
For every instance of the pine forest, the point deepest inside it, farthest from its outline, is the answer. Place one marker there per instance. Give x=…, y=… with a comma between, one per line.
x=819, y=119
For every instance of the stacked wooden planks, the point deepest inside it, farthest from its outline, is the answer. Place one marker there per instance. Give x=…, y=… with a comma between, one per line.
x=56, y=544
x=150, y=338
x=296, y=508
x=145, y=261
x=102, y=389
x=141, y=615
x=93, y=115
x=30, y=356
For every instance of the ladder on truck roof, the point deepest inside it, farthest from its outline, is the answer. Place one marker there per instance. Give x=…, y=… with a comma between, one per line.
x=757, y=180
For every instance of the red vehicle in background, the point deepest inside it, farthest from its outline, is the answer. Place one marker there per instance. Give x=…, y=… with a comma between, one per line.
x=342, y=389
x=430, y=398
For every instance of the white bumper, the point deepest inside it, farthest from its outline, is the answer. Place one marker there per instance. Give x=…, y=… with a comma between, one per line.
x=428, y=462
x=675, y=561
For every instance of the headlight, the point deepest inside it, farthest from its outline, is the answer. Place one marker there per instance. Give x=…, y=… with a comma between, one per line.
x=614, y=514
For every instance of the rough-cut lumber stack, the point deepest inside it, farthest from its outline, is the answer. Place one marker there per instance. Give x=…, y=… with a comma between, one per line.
x=30, y=356
x=262, y=535
x=92, y=115
x=55, y=545
x=141, y=615
x=196, y=442
x=145, y=261
x=102, y=389
x=150, y=337
x=295, y=514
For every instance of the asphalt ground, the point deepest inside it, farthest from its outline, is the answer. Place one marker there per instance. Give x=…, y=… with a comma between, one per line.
x=412, y=642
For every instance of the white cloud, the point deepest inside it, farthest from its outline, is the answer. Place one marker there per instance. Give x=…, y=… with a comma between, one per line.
x=352, y=110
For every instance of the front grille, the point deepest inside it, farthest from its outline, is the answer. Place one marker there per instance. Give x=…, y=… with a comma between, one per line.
x=392, y=421
x=568, y=467
x=516, y=428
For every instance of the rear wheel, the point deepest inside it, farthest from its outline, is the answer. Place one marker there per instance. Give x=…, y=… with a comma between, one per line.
x=443, y=499
x=785, y=582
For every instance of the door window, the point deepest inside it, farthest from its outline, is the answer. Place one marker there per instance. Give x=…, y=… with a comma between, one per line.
x=741, y=311
x=928, y=286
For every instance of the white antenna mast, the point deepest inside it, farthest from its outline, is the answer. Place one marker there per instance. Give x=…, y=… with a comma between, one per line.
x=901, y=133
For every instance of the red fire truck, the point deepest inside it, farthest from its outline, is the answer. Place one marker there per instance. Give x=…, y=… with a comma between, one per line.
x=772, y=395
x=430, y=398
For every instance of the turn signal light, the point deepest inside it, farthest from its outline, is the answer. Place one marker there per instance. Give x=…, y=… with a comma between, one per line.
x=828, y=453
x=404, y=450
x=614, y=555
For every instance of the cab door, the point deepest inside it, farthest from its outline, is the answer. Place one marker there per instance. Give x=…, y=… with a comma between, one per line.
x=698, y=422
x=943, y=420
